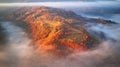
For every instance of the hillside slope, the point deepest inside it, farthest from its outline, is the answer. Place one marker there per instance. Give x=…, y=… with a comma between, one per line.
x=54, y=30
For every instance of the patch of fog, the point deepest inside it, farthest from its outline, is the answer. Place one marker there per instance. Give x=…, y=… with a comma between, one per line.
x=115, y=18
x=109, y=31
x=17, y=45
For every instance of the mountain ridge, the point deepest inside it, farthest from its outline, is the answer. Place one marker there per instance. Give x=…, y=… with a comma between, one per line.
x=55, y=30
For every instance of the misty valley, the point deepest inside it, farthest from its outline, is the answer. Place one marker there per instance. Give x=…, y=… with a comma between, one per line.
x=60, y=36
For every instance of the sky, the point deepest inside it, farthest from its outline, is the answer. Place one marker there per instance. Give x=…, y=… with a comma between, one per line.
x=11, y=1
